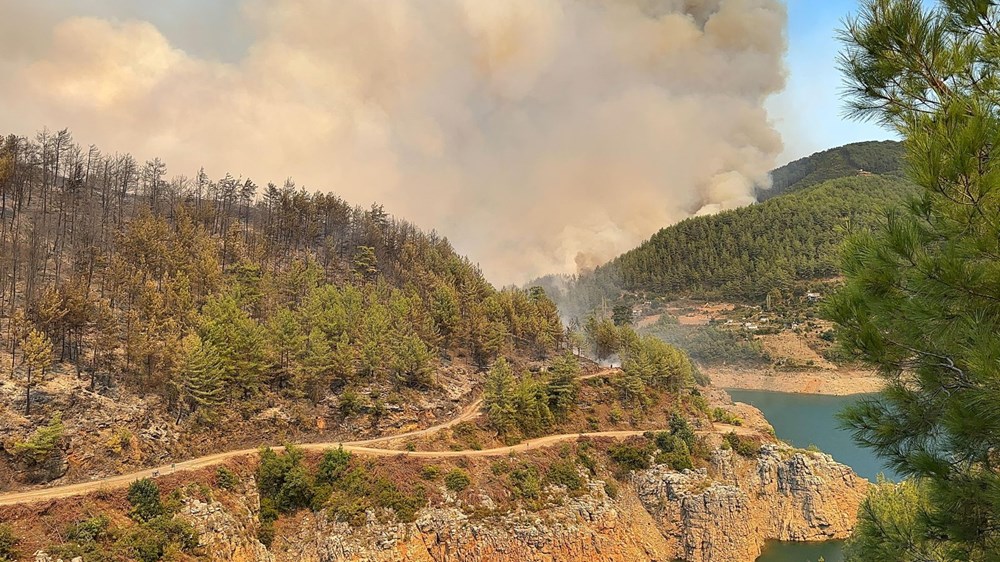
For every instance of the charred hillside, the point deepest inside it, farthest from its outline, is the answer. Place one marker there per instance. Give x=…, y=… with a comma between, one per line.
x=160, y=316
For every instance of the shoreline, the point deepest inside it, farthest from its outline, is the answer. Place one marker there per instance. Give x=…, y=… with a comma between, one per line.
x=829, y=383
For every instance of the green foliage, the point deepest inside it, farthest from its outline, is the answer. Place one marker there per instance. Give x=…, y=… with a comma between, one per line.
x=621, y=315
x=92, y=530
x=457, y=480
x=743, y=254
x=921, y=301
x=96, y=539
x=283, y=480
x=707, y=344
x=526, y=482
x=237, y=341
x=349, y=403
x=877, y=157
x=200, y=376
x=631, y=457
x=286, y=485
x=725, y=416
x=430, y=472
x=521, y=405
x=226, y=478
x=150, y=542
x=563, y=384
x=604, y=335
x=8, y=544
x=743, y=445
x=893, y=526
x=333, y=464
x=498, y=396
x=212, y=300
x=564, y=472
x=43, y=442
x=144, y=497
x=649, y=361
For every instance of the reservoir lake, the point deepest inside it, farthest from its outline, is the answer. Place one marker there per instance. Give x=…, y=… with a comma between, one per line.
x=811, y=419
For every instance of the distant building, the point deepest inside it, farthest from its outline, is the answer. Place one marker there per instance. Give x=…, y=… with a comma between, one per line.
x=813, y=296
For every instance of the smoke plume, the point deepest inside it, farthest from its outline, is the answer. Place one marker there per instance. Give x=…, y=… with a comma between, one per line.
x=540, y=136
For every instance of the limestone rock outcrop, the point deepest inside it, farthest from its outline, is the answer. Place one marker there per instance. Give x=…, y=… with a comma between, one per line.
x=727, y=512
x=724, y=513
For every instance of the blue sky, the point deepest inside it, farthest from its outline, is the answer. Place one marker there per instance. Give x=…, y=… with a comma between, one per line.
x=809, y=113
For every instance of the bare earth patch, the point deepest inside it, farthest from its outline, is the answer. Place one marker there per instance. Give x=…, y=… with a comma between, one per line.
x=841, y=382
x=793, y=349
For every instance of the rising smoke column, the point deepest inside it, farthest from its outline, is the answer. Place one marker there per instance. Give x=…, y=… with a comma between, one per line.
x=540, y=136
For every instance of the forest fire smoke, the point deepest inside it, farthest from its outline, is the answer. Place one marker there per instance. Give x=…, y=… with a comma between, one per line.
x=540, y=136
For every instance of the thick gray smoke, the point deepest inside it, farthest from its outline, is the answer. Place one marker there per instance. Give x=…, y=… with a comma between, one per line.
x=541, y=136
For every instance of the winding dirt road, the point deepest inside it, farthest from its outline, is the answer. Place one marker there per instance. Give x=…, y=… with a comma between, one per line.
x=364, y=447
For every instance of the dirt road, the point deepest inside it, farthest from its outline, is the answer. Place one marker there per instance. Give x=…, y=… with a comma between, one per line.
x=363, y=447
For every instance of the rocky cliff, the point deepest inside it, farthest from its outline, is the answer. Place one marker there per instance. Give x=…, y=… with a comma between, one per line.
x=728, y=511
x=722, y=513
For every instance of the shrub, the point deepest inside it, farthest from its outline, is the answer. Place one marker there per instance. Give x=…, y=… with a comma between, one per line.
x=226, y=479
x=526, y=482
x=725, y=416
x=283, y=479
x=674, y=452
x=333, y=464
x=120, y=440
x=630, y=457
x=89, y=530
x=349, y=403
x=565, y=473
x=296, y=490
x=265, y=533
x=744, y=446
x=616, y=414
x=8, y=544
x=430, y=472
x=611, y=489
x=405, y=506
x=682, y=429
x=43, y=442
x=457, y=480
x=144, y=497
x=150, y=542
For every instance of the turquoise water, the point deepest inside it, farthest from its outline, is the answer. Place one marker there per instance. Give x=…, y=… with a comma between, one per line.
x=811, y=419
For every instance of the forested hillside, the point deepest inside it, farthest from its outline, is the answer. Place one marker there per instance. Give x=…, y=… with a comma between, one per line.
x=217, y=295
x=741, y=254
x=876, y=157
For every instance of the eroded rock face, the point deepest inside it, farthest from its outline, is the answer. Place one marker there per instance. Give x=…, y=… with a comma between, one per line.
x=227, y=534
x=588, y=527
x=721, y=514
x=784, y=494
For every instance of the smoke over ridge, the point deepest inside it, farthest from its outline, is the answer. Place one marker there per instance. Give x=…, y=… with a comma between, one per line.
x=540, y=136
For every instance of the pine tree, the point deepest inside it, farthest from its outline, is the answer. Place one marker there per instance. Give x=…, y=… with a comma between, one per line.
x=199, y=377
x=411, y=362
x=563, y=384
x=240, y=342
x=921, y=300
x=317, y=368
x=37, y=357
x=498, y=396
x=285, y=343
